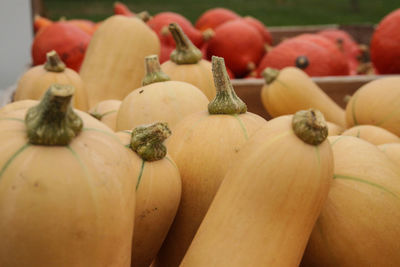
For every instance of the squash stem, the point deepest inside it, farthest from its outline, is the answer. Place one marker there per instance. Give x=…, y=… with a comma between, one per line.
x=186, y=52
x=270, y=75
x=154, y=73
x=310, y=126
x=53, y=122
x=226, y=101
x=54, y=62
x=147, y=141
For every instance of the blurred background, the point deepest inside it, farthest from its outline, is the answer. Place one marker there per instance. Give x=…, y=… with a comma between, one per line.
x=271, y=12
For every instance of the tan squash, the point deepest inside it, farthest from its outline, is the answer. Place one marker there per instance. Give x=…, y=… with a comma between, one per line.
x=158, y=189
x=66, y=195
x=113, y=64
x=34, y=83
x=289, y=90
x=106, y=112
x=391, y=150
x=334, y=129
x=159, y=100
x=268, y=202
x=203, y=146
x=186, y=63
x=17, y=105
x=373, y=134
x=359, y=224
x=376, y=103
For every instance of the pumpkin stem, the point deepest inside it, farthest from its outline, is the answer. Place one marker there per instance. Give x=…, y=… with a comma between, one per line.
x=147, y=141
x=185, y=52
x=53, y=122
x=154, y=73
x=302, y=62
x=54, y=62
x=226, y=101
x=310, y=126
x=144, y=16
x=270, y=75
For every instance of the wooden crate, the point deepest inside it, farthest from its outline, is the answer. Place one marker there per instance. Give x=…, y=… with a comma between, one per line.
x=337, y=88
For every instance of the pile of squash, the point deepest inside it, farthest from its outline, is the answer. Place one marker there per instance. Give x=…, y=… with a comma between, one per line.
x=135, y=163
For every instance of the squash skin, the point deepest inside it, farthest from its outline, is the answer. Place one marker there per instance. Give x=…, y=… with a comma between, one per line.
x=359, y=223
x=157, y=199
x=373, y=134
x=376, y=103
x=392, y=150
x=293, y=90
x=263, y=212
x=168, y=101
x=34, y=83
x=199, y=75
x=107, y=111
x=203, y=147
x=334, y=129
x=44, y=210
x=17, y=105
x=111, y=75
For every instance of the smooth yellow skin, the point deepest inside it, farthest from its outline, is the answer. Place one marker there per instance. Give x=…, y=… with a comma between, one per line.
x=203, y=147
x=108, y=109
x=359, y=225
x=392, y=150
x=168, y=101
x=17, y=105
x=376, y=103
x=157, y=198
x=267, y=204
x=199, y=74
x=114, y=61
x=35, y=82
x=293, y=90
x=334, y=129
x=65, y=206
x=373, y=134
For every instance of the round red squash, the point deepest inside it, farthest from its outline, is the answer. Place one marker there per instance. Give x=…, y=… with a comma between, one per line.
x=68, y=40
x=261, y=28
x=214, y=17
x=385, y=44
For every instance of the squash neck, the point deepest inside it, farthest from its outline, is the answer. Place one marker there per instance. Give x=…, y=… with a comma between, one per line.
x=147, y=141
x=53, y=122
x=226, y=101
x=186, y=52
x=154, y=73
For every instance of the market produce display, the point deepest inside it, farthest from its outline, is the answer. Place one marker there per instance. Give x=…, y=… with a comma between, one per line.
x=126, y=145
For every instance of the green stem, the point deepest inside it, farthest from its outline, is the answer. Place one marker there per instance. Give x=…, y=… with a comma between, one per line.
x=186, y=52
x=270, y=75
x=53, y=122
x=226, y=101
x=310, y=126
x=154, y=73
x=147, y=141
x=53, y=62
x=144, y=16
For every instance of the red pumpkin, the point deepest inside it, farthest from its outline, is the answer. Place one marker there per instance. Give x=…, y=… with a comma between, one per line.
x=385, y=44
x=312, y=58
x=122, y=9
x=68, y=40
x=213, y=18
x=240, y=44
x=40, y=22
x=260, y=28
x=159, y=23
x=86, y=25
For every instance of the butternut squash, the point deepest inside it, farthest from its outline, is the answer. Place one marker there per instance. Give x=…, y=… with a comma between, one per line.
x=158, y=189
x=392, y=150
x=17, y=105
x=269, y=200
x=358, y=225
x=186, y=63
x=376, y=103
x=159, y=100
x=373, y=134
x=66, y=195
x=106, y=112
x=334, y=129
x=203, y=146
x=113, y=63
x=34, y=83
x=289, y=90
